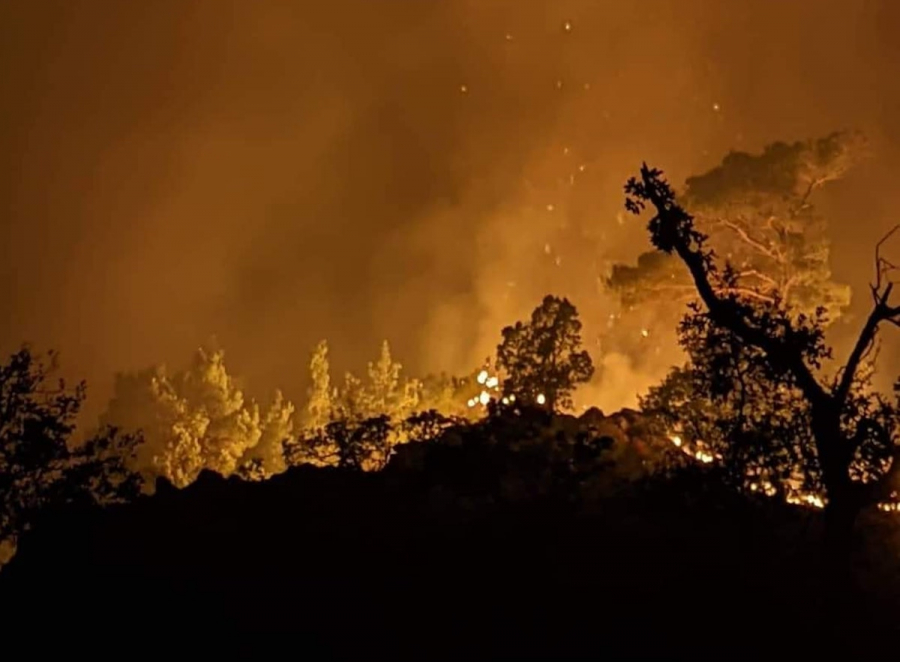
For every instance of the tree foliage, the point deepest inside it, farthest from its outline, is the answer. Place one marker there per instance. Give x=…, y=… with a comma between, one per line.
x=192, y=420
x=448, y=394
x=320, y=396
x=770, y=411
x=233, y=423
x=361, y=444
x=757, y=209
x=388, y=394
x=358, y=423
x=276, y=427
x=725, y=406
x=350, y=399
x=542, y=359
x=39, y=463
x=385, y=392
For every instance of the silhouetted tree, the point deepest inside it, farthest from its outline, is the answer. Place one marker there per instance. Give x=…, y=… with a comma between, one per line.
x=39, y=464
x=252, y=469
x=100, y=469
x=316, y=447
x=366, y=445
x=757, y=210
x=429, y=425
x=542, y=359
x=750, y=353
x=348, y=443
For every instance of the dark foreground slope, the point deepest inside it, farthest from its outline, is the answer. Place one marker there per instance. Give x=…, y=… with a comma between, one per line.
x=431, y=559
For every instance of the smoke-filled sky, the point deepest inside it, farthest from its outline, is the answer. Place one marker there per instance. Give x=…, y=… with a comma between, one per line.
x=273, y=173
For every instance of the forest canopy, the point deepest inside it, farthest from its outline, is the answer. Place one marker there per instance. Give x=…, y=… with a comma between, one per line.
x=758, y=212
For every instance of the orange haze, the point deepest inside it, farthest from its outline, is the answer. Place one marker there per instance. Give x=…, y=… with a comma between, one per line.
x=278, y=172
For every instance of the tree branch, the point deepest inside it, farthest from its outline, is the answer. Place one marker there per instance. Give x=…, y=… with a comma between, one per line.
x=881, y=312
x=739, y=291
x=756, y=273
x=865, y=339
x=882, y=266
x=881, y=490
x=756, y=243
x=722, y=311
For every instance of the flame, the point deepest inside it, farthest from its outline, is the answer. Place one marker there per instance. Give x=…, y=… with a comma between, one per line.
x=699, y=454
x=541, y=399
x=805, y=499
x=795, y=496
x=489, y=383
x=891, y=506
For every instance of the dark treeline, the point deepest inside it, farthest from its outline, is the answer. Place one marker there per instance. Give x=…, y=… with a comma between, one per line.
x=172, y=427
x=498, y=537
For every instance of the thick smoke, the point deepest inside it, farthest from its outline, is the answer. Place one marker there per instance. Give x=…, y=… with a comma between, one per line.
x=274, y=173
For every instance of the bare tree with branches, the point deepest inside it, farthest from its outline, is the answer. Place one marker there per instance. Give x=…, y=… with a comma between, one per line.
x=844, y=431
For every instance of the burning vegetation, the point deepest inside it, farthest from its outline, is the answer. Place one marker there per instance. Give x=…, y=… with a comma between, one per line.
x=753, y=402
x=756, y=209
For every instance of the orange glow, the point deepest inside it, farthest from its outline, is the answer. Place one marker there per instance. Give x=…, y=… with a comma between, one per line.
x=203, y=178
x=795, y=495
